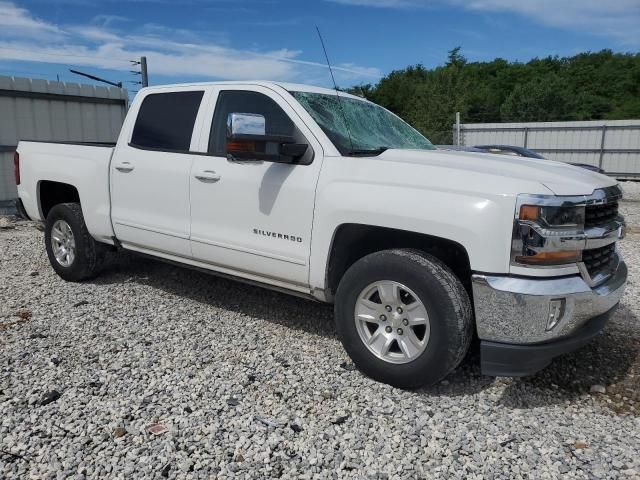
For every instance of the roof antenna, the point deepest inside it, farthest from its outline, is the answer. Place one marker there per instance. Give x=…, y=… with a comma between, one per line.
x=335, y=87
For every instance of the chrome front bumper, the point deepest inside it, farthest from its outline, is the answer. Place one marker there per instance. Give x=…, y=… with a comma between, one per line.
x=516, y=310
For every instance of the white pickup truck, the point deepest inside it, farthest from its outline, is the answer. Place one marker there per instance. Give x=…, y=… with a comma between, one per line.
x=334, y=198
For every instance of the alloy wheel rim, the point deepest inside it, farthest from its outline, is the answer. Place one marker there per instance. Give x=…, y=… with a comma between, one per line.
x=63, y=243
x=392, y=321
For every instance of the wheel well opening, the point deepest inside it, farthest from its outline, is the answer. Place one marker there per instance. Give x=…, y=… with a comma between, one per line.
x=53, y=193
x=353, y=241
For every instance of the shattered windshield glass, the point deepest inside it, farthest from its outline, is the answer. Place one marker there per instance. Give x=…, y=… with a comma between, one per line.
x=372, y=128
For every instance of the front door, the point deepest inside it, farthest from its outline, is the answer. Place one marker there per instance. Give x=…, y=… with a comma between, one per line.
x=255, y=217
x=150, y=175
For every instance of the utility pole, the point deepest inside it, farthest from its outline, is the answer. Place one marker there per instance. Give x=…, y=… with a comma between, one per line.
x=144, y=76
x=458, y=128
x=143, y=71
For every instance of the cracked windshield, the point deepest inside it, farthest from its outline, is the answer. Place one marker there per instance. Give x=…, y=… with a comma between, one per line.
x=372, y=128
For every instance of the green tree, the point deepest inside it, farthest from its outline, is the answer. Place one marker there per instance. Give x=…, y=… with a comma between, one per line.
x=587, y=86
x=542, y=99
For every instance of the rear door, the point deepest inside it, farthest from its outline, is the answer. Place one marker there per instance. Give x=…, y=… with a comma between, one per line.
x=150, y=173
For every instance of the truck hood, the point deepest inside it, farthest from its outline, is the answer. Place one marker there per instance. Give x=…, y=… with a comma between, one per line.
x=558, y=178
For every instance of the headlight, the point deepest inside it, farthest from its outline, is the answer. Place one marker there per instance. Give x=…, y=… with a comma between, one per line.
x=558, y=220
x=548, y=235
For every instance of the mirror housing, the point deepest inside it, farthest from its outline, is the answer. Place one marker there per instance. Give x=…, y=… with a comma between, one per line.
x=247, y=141
x=246, y=124
x=294, y=150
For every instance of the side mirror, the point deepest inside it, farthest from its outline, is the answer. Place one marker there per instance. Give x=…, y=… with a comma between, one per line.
x=247, y=141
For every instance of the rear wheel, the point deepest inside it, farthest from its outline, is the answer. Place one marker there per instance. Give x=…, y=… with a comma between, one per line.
x=72, y=251
x=403, y=317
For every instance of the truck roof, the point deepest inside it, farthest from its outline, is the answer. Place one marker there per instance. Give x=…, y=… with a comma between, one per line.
x=290, y=87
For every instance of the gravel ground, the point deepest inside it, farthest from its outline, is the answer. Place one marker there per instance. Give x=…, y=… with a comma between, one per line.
x=631, y=205
x=242, y=382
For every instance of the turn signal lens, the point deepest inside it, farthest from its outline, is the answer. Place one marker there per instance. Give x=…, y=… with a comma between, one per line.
x=551, y=258
x=529, y=212
x=241, y=146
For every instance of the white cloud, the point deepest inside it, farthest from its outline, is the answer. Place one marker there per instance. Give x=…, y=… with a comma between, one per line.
x=19, y=22
x=93, y=33
x=616, y=19
x=171, y=52
x=107, y=20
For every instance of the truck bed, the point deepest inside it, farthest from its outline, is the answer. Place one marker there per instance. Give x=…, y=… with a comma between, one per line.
x=81, y=165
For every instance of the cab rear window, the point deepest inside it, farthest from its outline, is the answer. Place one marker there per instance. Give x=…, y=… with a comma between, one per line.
x=165, y=121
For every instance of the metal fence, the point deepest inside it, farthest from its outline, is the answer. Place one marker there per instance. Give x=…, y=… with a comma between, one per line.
x=613, y=145
x=33, y=109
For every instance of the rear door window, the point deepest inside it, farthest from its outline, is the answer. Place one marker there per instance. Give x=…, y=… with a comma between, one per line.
x=165, y=121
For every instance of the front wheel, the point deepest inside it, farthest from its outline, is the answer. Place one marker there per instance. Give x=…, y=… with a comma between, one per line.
x=72, y=251
x=403, y=317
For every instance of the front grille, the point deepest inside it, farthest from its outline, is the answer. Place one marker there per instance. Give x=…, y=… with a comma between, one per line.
x=599, y=215
x=599, y=259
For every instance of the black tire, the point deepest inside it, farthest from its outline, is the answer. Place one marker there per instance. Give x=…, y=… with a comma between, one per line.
x=444, y=297
x=89, y=254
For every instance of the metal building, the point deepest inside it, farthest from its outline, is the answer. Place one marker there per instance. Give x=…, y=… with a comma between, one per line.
x=611, y=144
x=32, y=109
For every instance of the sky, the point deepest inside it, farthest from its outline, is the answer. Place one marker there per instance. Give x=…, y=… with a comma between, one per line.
x=200, y=40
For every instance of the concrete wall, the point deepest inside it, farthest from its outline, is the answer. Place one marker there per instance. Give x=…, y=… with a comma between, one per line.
x=33, y=109
x=612, y=144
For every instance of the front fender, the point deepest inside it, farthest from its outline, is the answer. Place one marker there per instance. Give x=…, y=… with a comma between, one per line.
x=482, y=224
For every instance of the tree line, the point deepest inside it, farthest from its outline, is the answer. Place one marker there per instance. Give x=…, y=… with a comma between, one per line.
x=587, y=86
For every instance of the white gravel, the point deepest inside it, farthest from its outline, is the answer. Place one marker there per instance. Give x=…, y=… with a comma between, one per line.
x=631, y=204
x=254, y=384
x=631, y=190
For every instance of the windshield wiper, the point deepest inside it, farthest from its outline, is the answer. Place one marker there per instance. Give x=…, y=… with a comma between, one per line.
x=366, y=152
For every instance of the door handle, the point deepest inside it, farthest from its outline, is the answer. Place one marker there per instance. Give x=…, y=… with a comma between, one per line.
x=208, y=176
x=124, y=167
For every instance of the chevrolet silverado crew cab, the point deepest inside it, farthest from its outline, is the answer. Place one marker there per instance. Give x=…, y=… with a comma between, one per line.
x=329, y=196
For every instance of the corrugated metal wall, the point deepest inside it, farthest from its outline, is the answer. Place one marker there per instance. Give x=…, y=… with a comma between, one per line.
x=33, y=109
x=612, y=144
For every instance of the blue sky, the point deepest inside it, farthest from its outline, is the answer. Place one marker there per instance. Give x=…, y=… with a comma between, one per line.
x=275, y=39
